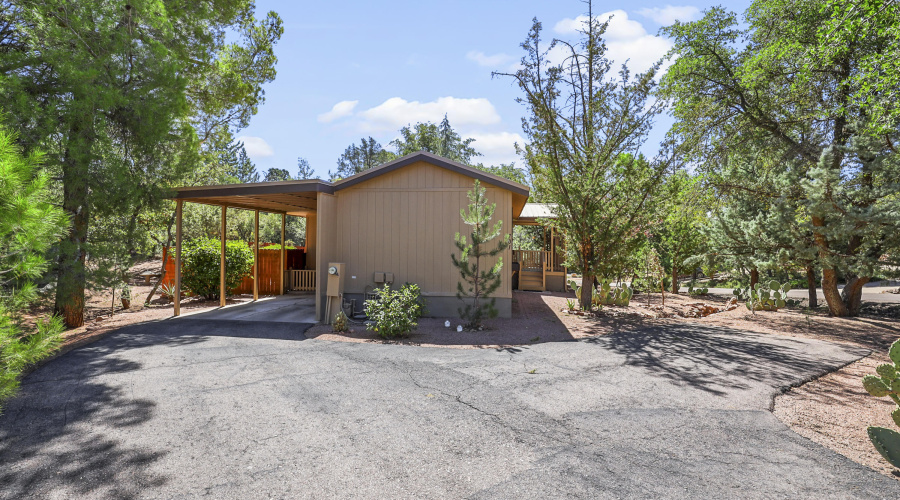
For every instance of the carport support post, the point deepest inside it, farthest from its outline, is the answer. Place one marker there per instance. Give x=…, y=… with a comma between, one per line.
x=256, y=255
x=177, y=297
x=222, y=261
x=283, y=263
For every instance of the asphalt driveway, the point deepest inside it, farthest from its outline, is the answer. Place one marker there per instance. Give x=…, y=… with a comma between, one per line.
x=229, y=409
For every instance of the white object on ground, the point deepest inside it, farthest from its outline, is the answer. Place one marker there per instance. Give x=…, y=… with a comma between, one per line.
x=447, y=323
x=458, y=328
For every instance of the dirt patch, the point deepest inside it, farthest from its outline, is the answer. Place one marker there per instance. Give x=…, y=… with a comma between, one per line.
x=835, y=410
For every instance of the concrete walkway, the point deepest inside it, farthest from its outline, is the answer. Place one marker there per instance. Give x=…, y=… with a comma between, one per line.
x=236, y=409
x=288, y=308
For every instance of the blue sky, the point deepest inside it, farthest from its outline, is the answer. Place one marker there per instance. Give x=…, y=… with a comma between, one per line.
x=348, y=70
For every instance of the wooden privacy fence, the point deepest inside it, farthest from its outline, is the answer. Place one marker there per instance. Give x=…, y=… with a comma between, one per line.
x=269, y=273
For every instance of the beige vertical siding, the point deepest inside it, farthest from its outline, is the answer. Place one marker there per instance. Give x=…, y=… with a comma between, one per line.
x=403, y=222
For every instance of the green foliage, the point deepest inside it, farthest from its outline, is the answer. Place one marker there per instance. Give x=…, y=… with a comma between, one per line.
x=685, y=202
x=441, y=140
x=340, y=323
x=201, y=261
x=770, y=296
x=585, y=121
x=277, y=174
x=887, y=384
x=237, y=165
x=304, y=170
x=29, y=225
x=167, y=291
x=356, y=159
x=128, y=99
x=395, y=313
x=780, y=111
x=697, y=291
x=480, y=282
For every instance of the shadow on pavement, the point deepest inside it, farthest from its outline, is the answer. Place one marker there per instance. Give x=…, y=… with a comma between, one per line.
x=715, y=359
x=51, y=445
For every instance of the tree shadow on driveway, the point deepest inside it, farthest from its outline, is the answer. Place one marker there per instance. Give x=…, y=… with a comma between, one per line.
x=718, y=360
x=58, y=438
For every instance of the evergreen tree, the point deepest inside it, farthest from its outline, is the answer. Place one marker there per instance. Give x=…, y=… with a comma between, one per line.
x=356, y=159
x=441, y=140
x=277, y=174
x=791, y=85
x=304, y=171
x=480, y=282
x=237, y=164
x=29, y=225
x=124, y=97
x=685, y=202
x=583, y=128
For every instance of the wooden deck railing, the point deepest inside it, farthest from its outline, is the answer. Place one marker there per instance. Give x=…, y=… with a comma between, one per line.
x=539, y=260
x=303, y=280
x=529, y=259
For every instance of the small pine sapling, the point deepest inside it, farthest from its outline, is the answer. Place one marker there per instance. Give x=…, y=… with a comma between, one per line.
x=477, y=282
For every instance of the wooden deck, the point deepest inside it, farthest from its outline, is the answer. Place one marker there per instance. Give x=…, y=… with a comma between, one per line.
x=535, y=266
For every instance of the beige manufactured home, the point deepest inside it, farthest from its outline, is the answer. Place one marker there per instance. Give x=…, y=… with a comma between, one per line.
x=392, y=224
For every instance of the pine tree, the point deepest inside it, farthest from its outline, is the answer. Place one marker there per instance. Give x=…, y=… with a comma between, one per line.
x=304, y=170
x=480, y=283
x=29, y=225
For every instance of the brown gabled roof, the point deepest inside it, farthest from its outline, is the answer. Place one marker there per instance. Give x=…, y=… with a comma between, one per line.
x=439, y=161
x=300, y=196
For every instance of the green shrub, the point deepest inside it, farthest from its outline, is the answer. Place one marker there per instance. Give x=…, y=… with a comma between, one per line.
x=340, y=323
x=395, y=313
x=200, y=266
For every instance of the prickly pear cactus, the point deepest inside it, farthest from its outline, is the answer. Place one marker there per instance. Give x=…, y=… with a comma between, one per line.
x=887, y=384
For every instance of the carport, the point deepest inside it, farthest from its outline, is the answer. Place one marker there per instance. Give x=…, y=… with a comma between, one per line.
x=296, y=198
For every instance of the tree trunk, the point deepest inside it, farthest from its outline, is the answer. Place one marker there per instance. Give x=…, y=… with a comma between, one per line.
x=836, y=305
x=811, y=286
x=674, y=279
x=754, y=277
x=852, y=295
x=71, y=271
x=587, y=289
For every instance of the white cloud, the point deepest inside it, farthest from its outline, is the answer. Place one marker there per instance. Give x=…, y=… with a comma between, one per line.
x=497, y=147
x=339, y=110
x=256, y=147
x=491, y=61
x=626, y=39
x=670, y=13
x=397, y=112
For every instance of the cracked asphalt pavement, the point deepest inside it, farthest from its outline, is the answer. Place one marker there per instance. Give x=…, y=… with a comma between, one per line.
x=188, y=408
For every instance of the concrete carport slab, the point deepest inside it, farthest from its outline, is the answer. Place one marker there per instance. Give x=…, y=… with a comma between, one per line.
x=289, y=308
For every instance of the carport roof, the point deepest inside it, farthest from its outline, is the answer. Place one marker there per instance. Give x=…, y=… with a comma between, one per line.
x=299, y=197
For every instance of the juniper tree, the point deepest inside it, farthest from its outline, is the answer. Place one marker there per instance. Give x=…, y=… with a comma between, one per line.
x=478, y=281
x=585, y=127
x=801, y=83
